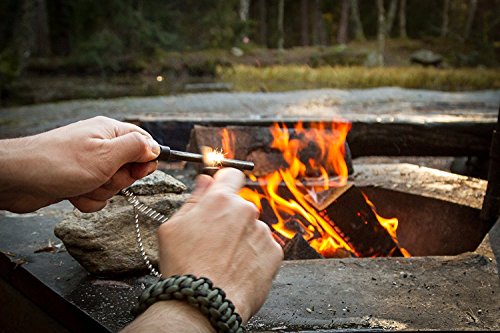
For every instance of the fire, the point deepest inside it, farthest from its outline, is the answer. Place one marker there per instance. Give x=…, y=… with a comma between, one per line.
x=312, y=155
x=391, y=225
x=228, y=143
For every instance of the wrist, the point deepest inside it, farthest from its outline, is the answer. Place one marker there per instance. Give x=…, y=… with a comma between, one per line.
x=180, y=316
x=200, y=293
x=12, y=179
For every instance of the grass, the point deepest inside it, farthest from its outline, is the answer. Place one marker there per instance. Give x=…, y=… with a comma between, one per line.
x=293, y=77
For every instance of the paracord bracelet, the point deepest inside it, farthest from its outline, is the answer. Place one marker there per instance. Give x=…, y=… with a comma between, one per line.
x=198, y=292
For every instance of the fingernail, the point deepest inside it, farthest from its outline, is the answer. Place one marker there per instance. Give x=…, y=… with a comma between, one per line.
x=155, y=147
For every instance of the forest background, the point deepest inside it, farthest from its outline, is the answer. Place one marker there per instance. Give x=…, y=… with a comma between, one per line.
x=54, y=50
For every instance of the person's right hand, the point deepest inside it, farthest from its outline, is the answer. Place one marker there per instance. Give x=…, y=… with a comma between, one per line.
x=216, y=234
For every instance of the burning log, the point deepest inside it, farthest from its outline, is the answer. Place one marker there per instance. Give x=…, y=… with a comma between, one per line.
x=298, y=248
x=347, y=211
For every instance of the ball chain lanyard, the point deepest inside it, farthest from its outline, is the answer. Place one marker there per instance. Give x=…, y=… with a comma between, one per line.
x=211, y=158
x=148, y=212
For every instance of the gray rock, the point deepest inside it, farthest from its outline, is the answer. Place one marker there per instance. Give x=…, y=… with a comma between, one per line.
x=104, y=243
x=156, y=183
x=426, y=57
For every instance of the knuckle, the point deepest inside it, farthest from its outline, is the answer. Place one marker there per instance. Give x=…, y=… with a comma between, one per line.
x=139, y=138
x=220, y=197
x=278, y=250
x=246, y=208
x=141, y=142
x=266, y=233
x=263, y=227
x=101, y=118
x=136, y=144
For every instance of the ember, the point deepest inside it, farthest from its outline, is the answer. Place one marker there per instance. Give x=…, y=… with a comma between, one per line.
x=310, y=195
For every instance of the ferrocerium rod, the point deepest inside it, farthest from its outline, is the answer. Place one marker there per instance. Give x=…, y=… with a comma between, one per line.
x=167, y=153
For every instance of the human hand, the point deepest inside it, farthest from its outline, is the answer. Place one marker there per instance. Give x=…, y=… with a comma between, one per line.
x=216, y=234
x=86, y=162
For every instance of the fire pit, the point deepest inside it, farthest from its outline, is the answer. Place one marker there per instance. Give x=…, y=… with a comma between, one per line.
x=358, y=214
x=448, y=283
x=313, y=199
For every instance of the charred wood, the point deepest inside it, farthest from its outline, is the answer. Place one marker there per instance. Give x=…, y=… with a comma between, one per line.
x=298, y=248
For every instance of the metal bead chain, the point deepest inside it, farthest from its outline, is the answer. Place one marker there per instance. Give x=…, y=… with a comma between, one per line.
x=148, y=212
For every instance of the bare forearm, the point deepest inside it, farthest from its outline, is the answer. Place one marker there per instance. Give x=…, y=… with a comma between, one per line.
x=14, y=167
x=170, y=317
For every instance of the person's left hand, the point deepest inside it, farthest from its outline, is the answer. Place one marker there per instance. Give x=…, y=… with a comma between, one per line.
x=86, y=162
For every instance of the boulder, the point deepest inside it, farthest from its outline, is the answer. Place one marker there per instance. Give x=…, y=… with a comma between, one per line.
x=104, y=242
x=426, y=58
x=156, y=183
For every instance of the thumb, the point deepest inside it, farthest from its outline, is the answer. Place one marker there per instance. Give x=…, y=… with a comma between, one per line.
x=133, y=147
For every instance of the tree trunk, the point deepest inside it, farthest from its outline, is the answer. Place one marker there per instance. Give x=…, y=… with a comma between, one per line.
x=138, y=5
x=319, y=36
x=470, y=19
x=263, y=22
x=344, y=23
x=24, y=40
x=41, y=29
x=391, y=15
x=381, y=31
x=402, y=20
x=304, y=22
x=281, y=30
x=63, y=20
x=445, y=17
x=244, y=8
x=356, y=18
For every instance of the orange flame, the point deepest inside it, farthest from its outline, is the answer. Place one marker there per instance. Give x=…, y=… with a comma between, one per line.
x=329, y=157
x=327, y=147
x=391, y=225
x=228, y=143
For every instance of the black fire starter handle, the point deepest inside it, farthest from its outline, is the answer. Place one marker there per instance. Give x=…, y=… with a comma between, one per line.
x=167, y=153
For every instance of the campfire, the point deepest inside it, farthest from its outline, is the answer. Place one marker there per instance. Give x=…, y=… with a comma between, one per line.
x=301, y=187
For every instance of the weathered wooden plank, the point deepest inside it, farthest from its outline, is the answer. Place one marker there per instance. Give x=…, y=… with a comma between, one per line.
x=386, y=137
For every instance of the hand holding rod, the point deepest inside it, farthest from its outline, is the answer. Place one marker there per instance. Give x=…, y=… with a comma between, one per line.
x=167, y=153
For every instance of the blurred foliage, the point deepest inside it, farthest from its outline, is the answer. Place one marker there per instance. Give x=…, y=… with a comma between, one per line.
x=9, y=67
x=193, y=38
x=174, y=25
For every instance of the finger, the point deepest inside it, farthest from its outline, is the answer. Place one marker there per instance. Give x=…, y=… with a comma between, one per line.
x=100, y=194
x=121, y=179
x=228, y=180
x=203, y=182
x=141, y=170
x=132, y=147
x=124, y=177
x=86, y=205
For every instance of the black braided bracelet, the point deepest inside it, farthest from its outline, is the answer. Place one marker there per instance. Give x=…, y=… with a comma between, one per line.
x=198, y=292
